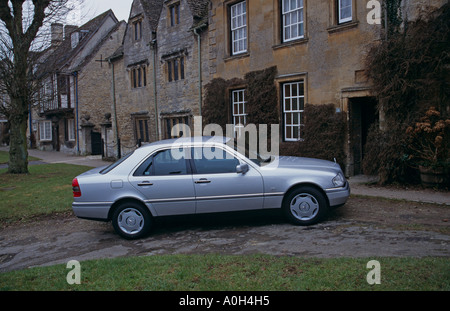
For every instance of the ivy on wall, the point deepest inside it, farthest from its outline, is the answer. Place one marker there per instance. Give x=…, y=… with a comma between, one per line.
x=325, y=130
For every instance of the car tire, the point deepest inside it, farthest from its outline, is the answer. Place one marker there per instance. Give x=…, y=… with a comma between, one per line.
x=305, y=206
x=131, y=220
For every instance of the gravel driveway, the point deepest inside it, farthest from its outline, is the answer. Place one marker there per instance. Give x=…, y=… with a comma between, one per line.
x=364, y=227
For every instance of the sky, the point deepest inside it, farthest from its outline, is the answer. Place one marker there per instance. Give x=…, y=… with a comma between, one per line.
x=92, y=8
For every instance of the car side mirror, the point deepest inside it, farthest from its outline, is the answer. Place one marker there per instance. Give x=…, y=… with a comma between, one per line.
x=242, y=168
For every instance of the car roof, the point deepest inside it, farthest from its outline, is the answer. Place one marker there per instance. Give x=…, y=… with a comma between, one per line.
x=188, y=140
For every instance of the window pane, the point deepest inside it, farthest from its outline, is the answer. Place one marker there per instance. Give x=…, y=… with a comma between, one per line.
x=172, y=16
x=144, y=72
x=169, y=70
x=182, y=67
x=139, y=70
x=146, y=131
x=295, y=134
x=295, y=104
x=166, y=164
x=294, y=89
x=175, y=69
x=287, y=90
x=214, y=161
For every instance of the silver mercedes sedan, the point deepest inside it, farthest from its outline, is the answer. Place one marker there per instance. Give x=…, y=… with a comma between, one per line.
x=205, y=175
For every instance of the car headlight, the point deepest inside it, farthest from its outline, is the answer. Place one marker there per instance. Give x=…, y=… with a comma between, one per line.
x=339, y=180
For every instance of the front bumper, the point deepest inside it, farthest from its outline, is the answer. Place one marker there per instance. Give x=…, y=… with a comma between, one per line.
x=338, y=196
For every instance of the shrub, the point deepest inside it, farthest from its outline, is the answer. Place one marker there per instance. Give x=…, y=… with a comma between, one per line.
x=409, y=73
x=429, y=139
x=324, y=136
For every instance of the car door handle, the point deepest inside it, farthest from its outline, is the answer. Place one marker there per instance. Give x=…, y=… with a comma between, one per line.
x=203, y=181
x=145, y=184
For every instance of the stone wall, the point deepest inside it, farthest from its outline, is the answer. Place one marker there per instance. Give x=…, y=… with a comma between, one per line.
x=94, y=87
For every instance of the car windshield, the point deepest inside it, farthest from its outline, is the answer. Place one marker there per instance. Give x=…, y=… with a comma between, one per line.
x=253, y=155
x=115, y=164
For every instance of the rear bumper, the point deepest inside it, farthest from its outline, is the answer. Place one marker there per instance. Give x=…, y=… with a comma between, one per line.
x=92, y=210
x=338, y=196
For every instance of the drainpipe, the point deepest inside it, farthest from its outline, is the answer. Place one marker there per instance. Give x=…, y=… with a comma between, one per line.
x=200, y=100
x=155, y=92
x=75, y=74
x=119, y=153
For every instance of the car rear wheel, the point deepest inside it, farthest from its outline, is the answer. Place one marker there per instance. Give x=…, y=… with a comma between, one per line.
x=131, y=220
x=305, y=206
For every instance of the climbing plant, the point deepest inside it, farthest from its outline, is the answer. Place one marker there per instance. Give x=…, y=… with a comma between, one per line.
x=409, y=73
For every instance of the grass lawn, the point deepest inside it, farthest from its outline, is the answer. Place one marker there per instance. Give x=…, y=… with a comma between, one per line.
x=235, y=273
x=47, y=189
x=4, y=157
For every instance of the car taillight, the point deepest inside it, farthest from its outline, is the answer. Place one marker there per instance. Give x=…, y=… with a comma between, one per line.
x=76, y=188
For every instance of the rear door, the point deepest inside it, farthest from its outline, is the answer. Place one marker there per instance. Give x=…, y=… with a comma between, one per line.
x=165, y=180
x=218, y=187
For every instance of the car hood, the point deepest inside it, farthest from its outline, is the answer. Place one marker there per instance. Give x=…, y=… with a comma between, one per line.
x=306, y=163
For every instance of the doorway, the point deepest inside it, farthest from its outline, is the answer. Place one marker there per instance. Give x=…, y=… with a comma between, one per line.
x=363, y=114
x=96, y=143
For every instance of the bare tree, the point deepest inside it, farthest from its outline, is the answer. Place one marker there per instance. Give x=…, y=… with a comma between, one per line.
x=21, y=24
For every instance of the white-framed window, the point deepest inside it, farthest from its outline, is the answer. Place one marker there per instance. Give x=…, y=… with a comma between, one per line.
x=238, y=20
x=238, y=108
x=344, y=11
x=293, y=110
x=45, y=131
x=71, y=129
x=293, y=20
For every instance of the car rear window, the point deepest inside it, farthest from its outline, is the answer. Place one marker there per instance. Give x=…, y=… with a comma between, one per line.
x=109, y=168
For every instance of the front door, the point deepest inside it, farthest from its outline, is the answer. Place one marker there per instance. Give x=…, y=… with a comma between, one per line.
x=166, y=182
x=363, y=114
x=219, y=188
x=96, y=143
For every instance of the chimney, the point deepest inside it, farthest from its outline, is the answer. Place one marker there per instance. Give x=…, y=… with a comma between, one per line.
x=57, y=34
x=68, y=30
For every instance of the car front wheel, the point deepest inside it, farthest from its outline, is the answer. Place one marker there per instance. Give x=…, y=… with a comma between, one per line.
x=305, y=206
x=131, y=220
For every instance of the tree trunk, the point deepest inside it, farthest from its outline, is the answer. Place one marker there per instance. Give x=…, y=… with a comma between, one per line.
x=18, y=153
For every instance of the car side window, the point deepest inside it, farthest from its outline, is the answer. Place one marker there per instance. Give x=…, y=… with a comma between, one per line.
x=212, y=160
x=166, y=162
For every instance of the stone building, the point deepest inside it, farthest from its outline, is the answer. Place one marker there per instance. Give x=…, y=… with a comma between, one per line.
x=172, y=49
x=133, y=90
x=318, y=49
x=157, y=84
x=73, y=112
